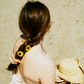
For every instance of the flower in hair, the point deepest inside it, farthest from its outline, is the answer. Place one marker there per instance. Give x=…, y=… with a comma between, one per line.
x=20, y=53
x=28, y=47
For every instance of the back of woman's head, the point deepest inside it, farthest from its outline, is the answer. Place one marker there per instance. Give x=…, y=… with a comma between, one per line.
x=34, y=22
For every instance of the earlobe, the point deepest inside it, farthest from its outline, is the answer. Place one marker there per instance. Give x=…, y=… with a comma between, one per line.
x=13, y=60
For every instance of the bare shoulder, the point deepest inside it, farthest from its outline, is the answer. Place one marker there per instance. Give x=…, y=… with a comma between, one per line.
x=48, y=63
x=18, y=43
x=47, y=73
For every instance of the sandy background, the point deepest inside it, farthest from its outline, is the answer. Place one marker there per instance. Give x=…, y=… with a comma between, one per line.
x=65, y=39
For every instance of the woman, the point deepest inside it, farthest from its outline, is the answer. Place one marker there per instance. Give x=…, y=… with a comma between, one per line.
x=29, y=62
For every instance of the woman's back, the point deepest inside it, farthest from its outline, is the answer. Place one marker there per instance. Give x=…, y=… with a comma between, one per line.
x=33, y=65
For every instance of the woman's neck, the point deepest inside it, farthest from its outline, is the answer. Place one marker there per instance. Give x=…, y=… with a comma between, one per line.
x=38, y=48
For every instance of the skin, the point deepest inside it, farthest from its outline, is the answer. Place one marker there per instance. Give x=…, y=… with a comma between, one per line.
x=35, y=66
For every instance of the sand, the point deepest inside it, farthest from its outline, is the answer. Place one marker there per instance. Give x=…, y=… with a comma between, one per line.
x=65, y=39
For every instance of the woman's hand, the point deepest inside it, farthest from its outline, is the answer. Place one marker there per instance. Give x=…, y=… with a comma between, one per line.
x=58, y=79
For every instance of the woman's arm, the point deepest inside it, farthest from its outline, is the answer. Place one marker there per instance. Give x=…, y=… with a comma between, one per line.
x=47, y=73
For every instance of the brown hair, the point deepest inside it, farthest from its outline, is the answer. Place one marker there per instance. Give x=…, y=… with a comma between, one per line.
x=34, y=22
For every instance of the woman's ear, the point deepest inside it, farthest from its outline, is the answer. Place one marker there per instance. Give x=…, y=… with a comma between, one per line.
x=13, y=60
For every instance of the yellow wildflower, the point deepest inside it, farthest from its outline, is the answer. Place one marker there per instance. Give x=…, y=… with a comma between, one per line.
x=28, y=47
x=20, y=53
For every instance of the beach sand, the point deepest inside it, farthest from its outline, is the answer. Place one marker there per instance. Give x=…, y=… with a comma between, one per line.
x=65, y=39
